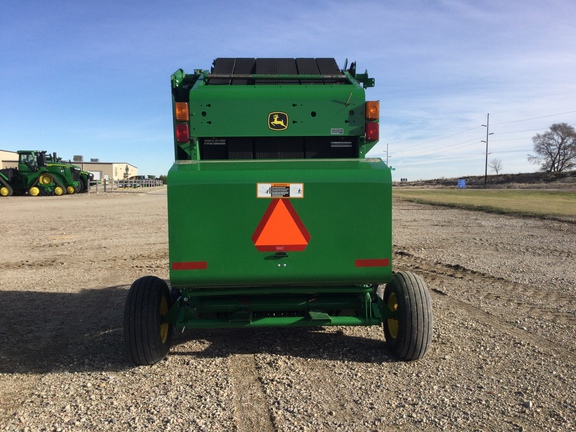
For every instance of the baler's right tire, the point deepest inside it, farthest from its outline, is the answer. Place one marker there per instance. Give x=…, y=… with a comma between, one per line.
x=147, y=338
x=409, y=334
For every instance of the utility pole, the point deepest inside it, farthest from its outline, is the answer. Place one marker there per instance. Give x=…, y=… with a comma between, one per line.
x=387, y=154
x=487, y=126
x=387, y=157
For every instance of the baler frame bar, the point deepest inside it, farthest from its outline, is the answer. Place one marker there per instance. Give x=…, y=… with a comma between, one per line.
x=338, y=77
x=208, y=311
x=250, y=322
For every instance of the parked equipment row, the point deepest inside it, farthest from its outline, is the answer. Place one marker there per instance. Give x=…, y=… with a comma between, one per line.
x=42, y=174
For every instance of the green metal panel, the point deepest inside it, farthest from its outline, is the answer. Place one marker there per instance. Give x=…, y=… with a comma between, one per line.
x=243, y=111
x=233, y=100
x=214, y=211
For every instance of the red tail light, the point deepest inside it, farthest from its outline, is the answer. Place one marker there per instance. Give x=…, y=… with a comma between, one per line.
x=182, y=133
x=372, y=131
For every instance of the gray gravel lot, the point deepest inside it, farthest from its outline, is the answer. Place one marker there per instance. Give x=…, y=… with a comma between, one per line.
x=503, y=356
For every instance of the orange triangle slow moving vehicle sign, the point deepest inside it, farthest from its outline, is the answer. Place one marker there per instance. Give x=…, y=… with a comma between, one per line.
x=280, y=229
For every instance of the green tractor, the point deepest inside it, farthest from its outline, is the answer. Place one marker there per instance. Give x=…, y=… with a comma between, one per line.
x=35, y=177
x=276, y=217
x=85, y=178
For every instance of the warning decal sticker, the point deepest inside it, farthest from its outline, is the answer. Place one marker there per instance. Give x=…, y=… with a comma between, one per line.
x=280, y=190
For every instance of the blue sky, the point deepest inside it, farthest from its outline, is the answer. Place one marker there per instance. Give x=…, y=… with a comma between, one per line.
x=92, y=77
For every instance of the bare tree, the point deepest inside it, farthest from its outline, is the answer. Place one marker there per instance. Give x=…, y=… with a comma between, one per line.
x=495, y=165
x=555, y=149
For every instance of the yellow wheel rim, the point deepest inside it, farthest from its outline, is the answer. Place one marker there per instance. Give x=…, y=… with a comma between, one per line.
x=70, y=189
x=165, y=327
x=393, y=323
x=34, y=191
x=58, y=191
x=4, y=191
x=45, y=179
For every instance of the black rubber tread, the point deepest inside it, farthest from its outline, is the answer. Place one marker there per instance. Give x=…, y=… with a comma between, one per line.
x=307, y=66
x=328, y=66
x=59, y=183
x=7, y=186
x=281, y=66
x=415, y=317
x=80, y=188
x=244, y=66
x=234, y=66
x=222, y=66
x=276, y=66
x=142, y=321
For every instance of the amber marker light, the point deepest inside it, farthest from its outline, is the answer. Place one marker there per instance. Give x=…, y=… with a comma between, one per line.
x=182, y=111
x=372, y=110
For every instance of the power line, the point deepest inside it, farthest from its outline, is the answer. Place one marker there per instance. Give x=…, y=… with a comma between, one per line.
x=450, y=147
x=522, y=131
x=512, y=139
x=459, y=145
x=508, y=151
x=534, y=118
x=441, y=138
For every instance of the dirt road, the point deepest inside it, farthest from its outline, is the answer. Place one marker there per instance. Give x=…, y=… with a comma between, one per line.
x=503, y=355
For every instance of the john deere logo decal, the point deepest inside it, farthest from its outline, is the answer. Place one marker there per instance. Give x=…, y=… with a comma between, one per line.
x=278, y=121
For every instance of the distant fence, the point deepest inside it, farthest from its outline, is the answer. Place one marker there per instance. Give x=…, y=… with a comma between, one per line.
x=123, y=185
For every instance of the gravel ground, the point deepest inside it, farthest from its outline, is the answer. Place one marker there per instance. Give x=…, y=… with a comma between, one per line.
x=503, y=355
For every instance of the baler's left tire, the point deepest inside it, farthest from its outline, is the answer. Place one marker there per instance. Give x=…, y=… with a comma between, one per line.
x=146, y=337
x=409, y=334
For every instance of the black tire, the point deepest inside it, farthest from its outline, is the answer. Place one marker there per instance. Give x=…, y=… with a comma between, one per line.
x=80, y=188
x=409, y=336
x=147, y=339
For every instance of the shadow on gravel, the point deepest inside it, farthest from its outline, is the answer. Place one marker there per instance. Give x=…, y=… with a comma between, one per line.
x=304, y=342
x=73, y=332
x=81, y=332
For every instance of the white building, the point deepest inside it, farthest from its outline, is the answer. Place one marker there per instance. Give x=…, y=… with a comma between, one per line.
x=101, y=170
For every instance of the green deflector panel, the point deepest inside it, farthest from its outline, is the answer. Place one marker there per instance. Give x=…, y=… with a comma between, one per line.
x=279, y=223
x=321, y=110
